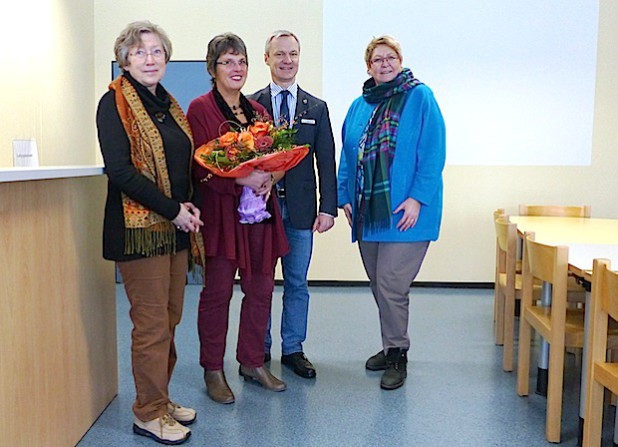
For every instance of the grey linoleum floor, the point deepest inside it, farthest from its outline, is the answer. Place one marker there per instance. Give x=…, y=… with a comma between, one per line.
x=456, y=393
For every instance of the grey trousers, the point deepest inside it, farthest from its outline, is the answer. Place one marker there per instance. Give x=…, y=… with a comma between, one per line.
x=391, y=268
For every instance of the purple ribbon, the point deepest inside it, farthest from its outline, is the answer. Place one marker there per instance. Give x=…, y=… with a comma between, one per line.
x=252, y=207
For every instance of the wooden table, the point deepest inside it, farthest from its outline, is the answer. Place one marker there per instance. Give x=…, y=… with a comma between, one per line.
x=587, y=239
x=569, y=230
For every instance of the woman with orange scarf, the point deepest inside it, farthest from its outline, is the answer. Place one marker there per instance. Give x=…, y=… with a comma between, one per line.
x=147, y=148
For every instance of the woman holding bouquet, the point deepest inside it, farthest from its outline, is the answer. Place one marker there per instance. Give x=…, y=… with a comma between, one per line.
x=231, y=246
x=147, y=148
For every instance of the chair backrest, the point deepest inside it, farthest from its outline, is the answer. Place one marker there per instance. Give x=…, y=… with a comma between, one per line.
x=548, y=263
x=555, y=210
x=506, y=235
x=506, y=251
x=605, y=284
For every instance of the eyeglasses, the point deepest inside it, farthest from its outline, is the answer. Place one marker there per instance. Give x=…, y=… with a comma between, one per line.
x=143, y=54
x=387, y=59
x=231, y=63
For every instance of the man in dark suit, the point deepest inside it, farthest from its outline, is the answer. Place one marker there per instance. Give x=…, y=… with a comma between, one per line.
x=288, y=103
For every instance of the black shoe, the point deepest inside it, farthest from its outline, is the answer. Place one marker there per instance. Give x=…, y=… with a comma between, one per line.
x=396, y=369
x=300, y=364
x=376, y=362
x=266, y=357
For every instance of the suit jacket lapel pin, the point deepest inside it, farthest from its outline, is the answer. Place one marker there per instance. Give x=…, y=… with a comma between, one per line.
x=305, y=101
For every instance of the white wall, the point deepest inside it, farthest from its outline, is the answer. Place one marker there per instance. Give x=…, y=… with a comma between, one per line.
x=55, y=80
x=191, y=24
x=47, y=79
x=502, y=72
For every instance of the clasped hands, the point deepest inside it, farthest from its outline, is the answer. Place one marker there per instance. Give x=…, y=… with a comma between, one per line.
x=188, y=218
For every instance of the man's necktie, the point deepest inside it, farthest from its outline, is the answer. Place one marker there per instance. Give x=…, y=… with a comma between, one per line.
x=284, y=111
x=284, y=119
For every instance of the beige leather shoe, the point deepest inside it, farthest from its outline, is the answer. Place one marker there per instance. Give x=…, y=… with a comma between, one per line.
x=263, y=376
x=184, y=415
x=164, y=429
x=217, y=387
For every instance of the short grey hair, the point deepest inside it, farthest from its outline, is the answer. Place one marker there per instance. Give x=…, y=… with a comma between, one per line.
x=131, y=37
x=276, y=35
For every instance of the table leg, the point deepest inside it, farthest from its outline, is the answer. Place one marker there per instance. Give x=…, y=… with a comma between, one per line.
x=542, y=377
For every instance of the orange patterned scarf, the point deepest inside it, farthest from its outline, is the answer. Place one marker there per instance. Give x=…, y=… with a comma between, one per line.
x=146, y=232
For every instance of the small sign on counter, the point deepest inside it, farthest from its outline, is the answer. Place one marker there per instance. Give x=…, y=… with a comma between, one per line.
x=25, y=153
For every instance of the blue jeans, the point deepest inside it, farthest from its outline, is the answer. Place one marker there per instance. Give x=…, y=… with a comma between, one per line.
x=295, y=291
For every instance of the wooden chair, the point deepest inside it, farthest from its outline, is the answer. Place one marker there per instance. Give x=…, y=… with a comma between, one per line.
x=555, y=210
x=507, y=285
x=559, y=326
x=600, y=373
x=499, y=297
x=577, y=294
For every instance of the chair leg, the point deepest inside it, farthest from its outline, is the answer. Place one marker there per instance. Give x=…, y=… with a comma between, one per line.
x=554, y=393
x=523, y=356
x=499, y=316
x=509, y=325
x=612, y=356
x=593, y=421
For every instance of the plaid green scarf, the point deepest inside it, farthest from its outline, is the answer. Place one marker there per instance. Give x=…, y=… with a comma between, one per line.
x=377, y=148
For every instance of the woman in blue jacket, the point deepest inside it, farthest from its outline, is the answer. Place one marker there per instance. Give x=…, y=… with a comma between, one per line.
x=390, y=189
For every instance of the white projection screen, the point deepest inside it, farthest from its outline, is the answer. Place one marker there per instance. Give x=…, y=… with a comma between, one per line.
x=515, y=79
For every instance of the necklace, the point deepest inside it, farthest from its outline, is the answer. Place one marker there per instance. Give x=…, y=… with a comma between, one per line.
x=236, y=110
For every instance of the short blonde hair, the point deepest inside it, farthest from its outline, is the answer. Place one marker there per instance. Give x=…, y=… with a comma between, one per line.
x=131, y=37
x=384, y=39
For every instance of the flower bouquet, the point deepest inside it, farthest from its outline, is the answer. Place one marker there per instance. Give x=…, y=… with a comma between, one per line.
x=236, y=154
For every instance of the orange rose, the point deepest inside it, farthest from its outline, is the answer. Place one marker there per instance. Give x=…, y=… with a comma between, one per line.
x=209, y=147
x=259, y=129
x=246, y=139
x=228, y=139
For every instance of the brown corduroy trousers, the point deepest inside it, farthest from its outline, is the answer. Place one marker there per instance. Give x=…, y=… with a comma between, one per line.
x=155, y=287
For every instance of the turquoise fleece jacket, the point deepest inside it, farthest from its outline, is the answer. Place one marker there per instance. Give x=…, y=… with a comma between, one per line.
x=416, y=170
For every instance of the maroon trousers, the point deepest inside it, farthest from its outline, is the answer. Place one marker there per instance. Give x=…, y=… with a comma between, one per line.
x=214, y=307
x=155, y=288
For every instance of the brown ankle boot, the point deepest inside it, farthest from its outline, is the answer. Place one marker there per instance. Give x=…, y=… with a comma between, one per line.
x=263, y=376
x=217, y=387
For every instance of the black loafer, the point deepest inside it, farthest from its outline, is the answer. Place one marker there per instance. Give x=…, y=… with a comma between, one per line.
x=300, y=364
